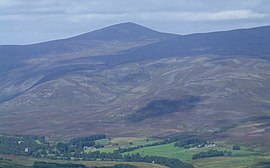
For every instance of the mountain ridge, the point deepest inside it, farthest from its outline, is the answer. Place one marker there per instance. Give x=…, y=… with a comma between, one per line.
x=143, y=27
x=92, y=43
x=136, y=33
x=84, y=86
x=122, y=31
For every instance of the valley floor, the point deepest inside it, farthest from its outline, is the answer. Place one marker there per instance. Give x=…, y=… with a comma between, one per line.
x=245, y=157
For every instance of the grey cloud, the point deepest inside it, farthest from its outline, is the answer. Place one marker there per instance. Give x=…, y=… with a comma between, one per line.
x=51, y=19
x=122, y=6
x=170, y=16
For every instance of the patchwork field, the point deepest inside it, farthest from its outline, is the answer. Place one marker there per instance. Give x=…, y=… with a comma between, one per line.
x=246, y=157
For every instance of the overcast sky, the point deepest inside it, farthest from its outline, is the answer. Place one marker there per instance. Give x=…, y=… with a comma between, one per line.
x=32, y=21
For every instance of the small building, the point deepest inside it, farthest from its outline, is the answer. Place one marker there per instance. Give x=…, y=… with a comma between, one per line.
x=19, y=142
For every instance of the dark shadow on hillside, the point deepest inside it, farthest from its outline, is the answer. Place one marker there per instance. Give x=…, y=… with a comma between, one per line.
x=158, y=108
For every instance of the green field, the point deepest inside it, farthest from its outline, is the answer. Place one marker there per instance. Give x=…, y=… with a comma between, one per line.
x=11, y=164
x=103, y=142
x=231, y=162
x=125, y=142
x=239, y=159
x=169, y=150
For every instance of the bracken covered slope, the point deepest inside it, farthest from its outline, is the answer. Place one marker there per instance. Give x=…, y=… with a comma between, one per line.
x=128, y=80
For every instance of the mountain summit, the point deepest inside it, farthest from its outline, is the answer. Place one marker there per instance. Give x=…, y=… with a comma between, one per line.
x=99, y=42
x=124, y=31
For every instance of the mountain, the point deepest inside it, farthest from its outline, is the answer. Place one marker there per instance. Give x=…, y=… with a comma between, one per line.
x=124, y=32
x=242, y=42
x=128, y=80
x=53, y=54
x=107, y=40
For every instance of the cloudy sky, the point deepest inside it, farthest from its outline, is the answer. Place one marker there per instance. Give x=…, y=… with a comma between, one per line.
x=32, y=21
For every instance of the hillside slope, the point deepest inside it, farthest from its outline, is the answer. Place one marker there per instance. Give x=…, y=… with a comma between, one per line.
x=128, y=80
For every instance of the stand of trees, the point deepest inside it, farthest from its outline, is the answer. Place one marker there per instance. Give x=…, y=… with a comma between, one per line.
x=56, y=165
x=86, y=141
x=190, y=142
x=169, y=162
x=211, y=153
x=118, y=166
x=36, y=146
x=116, y=156
x=236, y=147
x=23, y=145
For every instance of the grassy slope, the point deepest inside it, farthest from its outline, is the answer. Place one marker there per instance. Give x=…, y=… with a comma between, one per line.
x=123, y=143
x=239, y=159
x=169, y=150
x=10, y=164
x=227, y=162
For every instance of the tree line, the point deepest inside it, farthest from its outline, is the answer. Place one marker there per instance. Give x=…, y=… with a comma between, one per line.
x=72, y=165
x=211, y=153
